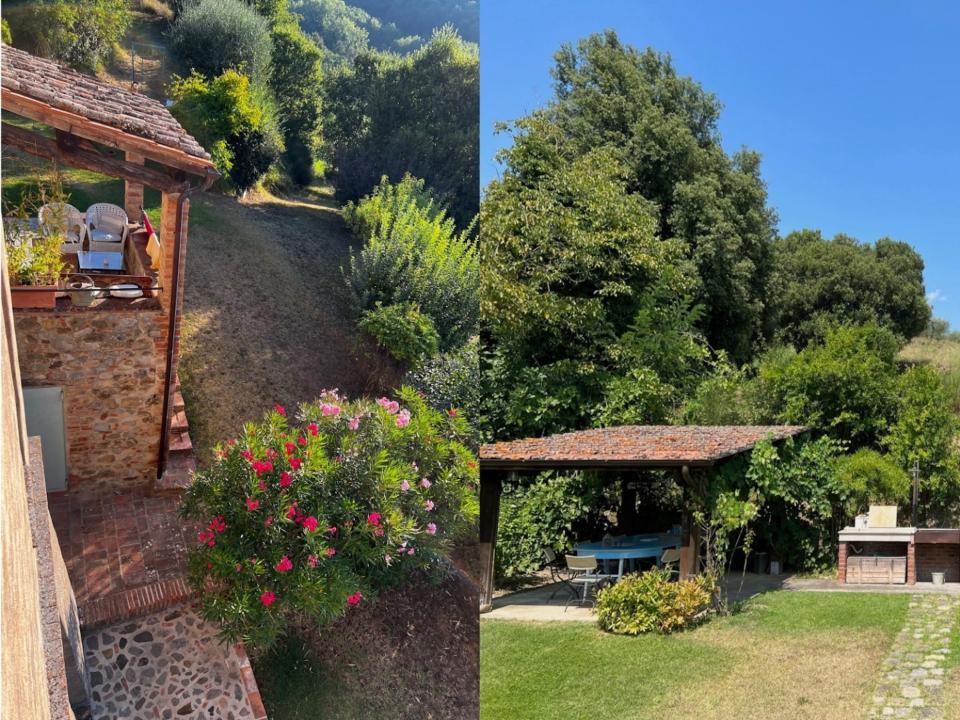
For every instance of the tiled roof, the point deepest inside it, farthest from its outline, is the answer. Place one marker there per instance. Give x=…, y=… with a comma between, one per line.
x=634, y=445
x=47, y=82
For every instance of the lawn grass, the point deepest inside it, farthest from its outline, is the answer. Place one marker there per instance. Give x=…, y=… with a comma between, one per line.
x=787, y=655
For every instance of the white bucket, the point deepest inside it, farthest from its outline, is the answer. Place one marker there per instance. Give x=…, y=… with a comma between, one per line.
x=937, y=578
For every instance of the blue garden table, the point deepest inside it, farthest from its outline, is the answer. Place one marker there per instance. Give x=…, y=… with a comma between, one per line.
x=633, y=548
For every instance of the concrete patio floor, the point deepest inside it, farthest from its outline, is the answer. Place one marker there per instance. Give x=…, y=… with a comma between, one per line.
x=535, y=605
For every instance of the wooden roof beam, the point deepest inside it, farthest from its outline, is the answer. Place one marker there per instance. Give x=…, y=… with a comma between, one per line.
x=40, y=146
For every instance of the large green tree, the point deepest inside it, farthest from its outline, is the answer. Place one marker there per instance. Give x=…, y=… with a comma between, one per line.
x=661, y=129
x=391, y=115
x=819, y=282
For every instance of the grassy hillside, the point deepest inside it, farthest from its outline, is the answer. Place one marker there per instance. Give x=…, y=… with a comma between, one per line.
x=942, y=354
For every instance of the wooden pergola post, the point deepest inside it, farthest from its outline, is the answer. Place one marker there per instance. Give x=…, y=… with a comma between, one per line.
x=491, y=487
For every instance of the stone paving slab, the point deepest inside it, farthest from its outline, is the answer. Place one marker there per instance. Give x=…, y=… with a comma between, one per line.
x=912, y=676
x=169, y=665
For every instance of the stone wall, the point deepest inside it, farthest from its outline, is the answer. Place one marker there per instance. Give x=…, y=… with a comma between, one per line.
x=110, y=363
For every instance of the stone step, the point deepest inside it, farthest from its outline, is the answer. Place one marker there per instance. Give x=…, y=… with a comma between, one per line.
x=179, y=423
x=180, y=443
x=134, y=603
x=177, y=475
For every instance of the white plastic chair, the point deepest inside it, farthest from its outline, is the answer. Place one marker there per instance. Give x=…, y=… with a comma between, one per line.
x=106, y=228
x=66, y=220
x=671, y=560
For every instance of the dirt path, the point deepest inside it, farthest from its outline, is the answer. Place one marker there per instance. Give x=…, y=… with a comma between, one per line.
x=267, y=316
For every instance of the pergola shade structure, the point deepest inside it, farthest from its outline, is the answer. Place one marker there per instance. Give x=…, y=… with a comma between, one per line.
x=123, y=134
x=688, y=450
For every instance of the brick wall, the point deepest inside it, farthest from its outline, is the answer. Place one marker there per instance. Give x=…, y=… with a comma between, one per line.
x=110, y=364
x=23, y=690
x=938, y=558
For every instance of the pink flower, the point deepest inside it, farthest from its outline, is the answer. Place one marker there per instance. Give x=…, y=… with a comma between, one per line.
x=272, y=454
x=403, y=419
x=313, y=429
x=409, y=551
x=404, y=486
x=425, y=483
x=295, y=463
x=355, y=598
x=332, y=530
x=327, y=410
x=302, y=441
x=268, y=598
x=431, y=529
x=391, y=406
x=374, y=519
x=331, y=552
x=354, y=422
x=280, y=410
x=292, y=511
x=238, y=567
x=286, y=479
x=428, y=505
x=387, y=558
x=310, y=524
x=312, y=560
x=269, y=521
x=252, y=504
x=284, y=565
x=247, y=454
x=262, y=485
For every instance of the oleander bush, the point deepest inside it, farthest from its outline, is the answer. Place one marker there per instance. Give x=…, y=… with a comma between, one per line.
x=303, y=518
x=652, y=602
x=403, y=331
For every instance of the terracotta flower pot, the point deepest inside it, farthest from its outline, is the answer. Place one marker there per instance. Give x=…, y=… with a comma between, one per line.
x=34, y=296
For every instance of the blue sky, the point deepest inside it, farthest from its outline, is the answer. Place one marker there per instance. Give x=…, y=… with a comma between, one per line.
x=854, y=106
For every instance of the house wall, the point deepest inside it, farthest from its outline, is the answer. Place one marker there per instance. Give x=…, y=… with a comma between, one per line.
x=24, y=678
x=110, y=363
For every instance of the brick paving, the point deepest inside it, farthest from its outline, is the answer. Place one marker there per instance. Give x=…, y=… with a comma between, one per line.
x=114, y=543
x=911, y=685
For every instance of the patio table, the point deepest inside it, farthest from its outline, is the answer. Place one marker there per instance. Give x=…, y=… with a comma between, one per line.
x=638, y=547
x=100, y=261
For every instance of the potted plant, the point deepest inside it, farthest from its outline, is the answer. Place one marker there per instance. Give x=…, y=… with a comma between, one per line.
x=34, y=264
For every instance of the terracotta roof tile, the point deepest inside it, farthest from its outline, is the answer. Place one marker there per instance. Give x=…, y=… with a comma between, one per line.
x=650, y=445
x=84, y=95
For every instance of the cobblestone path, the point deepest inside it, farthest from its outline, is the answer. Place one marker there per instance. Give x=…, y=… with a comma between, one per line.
x=911, y=685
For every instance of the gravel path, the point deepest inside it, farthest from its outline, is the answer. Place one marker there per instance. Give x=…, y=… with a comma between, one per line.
x=913, y=673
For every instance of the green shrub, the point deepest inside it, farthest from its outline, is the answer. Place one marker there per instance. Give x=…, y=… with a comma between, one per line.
x=212, y=36
x=650, y=602
x=869, y=477
x=544, y=514
x=35, y=263
x=451, y=380
x=402, y=330
x=413, y=254
x=234, y=120
x=305, y=518
x=5, y=34
x=81, y=33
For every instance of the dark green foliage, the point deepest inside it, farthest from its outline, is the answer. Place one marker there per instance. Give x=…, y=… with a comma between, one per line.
x=212, y=36
x=412, y=253
x=660, y=130
x=451, y=380
x=543, y=514
x=297, y=83
x=844, y=386
x=818, y=283
x=417, y=114
x=403, y=331
x=78, y=33
x=422, y=17
x=344, y=30
x=233, y=121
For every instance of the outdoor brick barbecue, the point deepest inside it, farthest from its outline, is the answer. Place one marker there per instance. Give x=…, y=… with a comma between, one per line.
x=866, y=553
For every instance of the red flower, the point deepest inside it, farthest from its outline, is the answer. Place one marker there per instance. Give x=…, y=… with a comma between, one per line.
x=374, y=519
x=247, y=454
x=262, y=485
x=238, y=567
x=262, y=466
x=252, y=504
x=289, y=447
x=280, y=410
x=272, y=454
x=313, y=429
x=331, y=552
x=295, y=463
x=452, y=412
x=332, y=529
x=472, y=465
x=355, y=598
x=292, y=511
x=268, y=598
x=285, y=479
x=310, y=524
x=302, y=440
x=284, y=565
x=269, y=521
